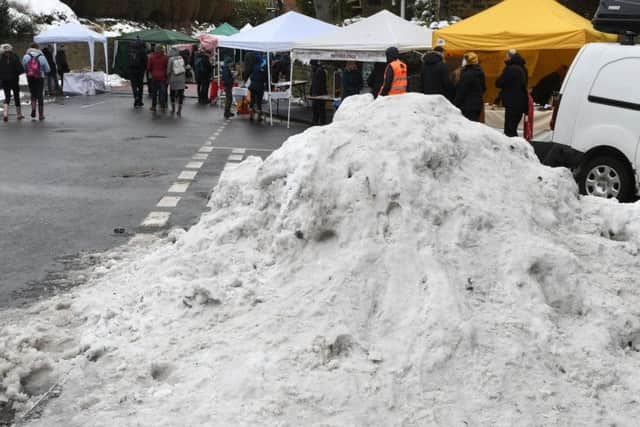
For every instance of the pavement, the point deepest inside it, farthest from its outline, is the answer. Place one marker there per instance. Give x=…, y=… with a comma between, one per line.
x=96, y=172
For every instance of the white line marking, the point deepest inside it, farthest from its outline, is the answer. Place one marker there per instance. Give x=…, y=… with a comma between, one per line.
x=208, y=143
x=236, y=157
x=230, y=166
x=200, y=156
x=239, y=151
x=187, y=175
x=169, y=202
x=93, y=105
x=205, y=149
x=179, y=187
x=248, y=149
x=156, y=219
x=194, y=165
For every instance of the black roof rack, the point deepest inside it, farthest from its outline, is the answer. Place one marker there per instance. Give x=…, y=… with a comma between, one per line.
x=619, y=17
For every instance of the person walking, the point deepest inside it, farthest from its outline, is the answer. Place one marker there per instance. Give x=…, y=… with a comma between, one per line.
x=319, y=88
x=37, y=68
x=471, y=88
x=395, y=75
x=435, y=75
x=259, y=81
x=157, y=67
x=137, y=69
x=514, y=93
x=177, y=74
x=62, y=64
x=352, y=82
x=203, y=69
x=227, y=81
x=52, y=76
x=10, y=70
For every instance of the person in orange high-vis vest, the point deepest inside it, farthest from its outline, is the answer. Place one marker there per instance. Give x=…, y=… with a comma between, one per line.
x=395, y=76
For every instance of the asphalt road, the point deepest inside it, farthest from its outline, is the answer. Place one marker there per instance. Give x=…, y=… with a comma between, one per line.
x=94, y=166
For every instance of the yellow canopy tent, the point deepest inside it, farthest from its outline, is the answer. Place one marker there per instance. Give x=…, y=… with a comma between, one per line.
x=544, y=32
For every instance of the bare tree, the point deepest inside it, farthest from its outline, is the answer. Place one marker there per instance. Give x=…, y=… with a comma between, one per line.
x=324, y=10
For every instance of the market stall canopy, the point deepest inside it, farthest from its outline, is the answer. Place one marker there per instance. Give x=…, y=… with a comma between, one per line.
x=246, y=27
x=546, y=34
x=159, y=35
x=521, y=25
x=225, y=30
x=74, y=32
x=208, y=41
x=367, y=40
x=279, y=34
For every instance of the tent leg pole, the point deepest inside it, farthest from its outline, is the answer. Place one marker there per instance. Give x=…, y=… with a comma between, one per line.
x=269, y=83
x=292, y=59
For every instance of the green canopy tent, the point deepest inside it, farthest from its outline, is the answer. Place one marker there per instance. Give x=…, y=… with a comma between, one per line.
x=225, y=30
x=155, y=36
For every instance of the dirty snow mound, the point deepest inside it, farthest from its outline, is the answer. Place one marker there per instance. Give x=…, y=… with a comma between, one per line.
x=402, y=266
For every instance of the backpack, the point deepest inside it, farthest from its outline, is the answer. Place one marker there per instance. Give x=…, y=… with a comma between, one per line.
x=135, y=58
x=178, y=66
x=33, y=67
x=201, y=67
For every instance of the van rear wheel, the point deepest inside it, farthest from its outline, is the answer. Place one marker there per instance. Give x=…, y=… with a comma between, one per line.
x=608, y=177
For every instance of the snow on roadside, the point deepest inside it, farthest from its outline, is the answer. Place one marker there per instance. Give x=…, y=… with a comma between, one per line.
x=44, y=8
x=401, y=266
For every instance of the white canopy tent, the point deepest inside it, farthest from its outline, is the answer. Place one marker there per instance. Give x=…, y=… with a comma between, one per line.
x=366, y=40
x=277, y=35
x=74, y=32
x=246, y=27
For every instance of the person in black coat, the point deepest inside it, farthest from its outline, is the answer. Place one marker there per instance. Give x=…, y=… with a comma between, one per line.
x=471, y=88
x=259, y=83
x=376, y=78
x=319, y=88
x=204, y=72
x=137, y=71
x=351, y=80
x=62, y=64
x=514, y=93
x=53, y=86
x=10, y=70
x=549, y=84
x=435, y=75
x=227, y=81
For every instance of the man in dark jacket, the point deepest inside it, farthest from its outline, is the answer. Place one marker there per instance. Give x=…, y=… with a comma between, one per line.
x=471, y=88
x=10, y=70
x=319, y=88
x=259, y=83
x=549, y=84
x=435, y=75
x=395, y=75
x=514, y=93
x=227, y=81
x=52, y=77
x=62, y=64
x=351, y=80
x=203, y=70
x=137, y=70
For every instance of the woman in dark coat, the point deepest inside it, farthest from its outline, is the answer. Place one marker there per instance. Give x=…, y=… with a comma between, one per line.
x=10, y=70
x=514, y=94
x=471, y=88
x=63, y=65
x=351, y=80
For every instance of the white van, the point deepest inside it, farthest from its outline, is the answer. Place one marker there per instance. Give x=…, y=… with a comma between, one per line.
x=598, y=114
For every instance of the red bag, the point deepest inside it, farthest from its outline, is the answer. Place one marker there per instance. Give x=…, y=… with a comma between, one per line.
x=528, y=121
x=213, y=91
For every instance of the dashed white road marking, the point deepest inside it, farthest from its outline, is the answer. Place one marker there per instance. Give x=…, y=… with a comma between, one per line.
x=200, y=156
x=239, y=151
x=179, y=187
x=169, y=202
x=266, y=150
x=205, y=149
x=93, y=105
x=156, y=219
x=187, y=175
x=236, y=157
x=194, y=165
x=230, y=166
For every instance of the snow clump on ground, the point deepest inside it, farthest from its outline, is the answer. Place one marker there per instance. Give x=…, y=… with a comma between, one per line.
x=401, y=266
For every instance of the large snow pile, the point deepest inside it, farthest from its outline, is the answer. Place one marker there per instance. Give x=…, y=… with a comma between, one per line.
x=402, y=266
x=43, y=7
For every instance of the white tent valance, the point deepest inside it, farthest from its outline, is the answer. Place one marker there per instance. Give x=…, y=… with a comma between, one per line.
x=74, y=32
x=366, y=40
x=279, y=34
